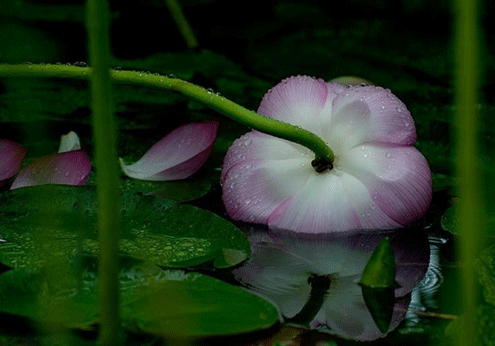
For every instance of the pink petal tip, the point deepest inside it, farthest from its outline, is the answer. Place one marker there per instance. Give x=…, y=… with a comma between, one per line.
x=177, y=155
x=67, y=168
x=11, y=156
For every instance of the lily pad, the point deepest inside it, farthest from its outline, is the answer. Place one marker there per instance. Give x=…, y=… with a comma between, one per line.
x=170, y=303
x=182, y=304
x=450, y=220
x=43, y=223
x=486, y=274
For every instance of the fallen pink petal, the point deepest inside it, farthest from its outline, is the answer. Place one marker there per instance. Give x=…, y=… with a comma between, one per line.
x=176, y=156
x=67, y=168
x=11, y=156
x=378, y=179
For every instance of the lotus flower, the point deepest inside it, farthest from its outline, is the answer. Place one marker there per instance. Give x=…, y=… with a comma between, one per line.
x=11, y=156
x=71, y=167
x=378, y=179
x=176, y=156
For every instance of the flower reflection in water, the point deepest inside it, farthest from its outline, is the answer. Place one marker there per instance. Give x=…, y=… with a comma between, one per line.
x=320, y=273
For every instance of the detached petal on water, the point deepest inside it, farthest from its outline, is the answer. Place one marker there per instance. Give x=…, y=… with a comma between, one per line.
x=69, y=142
x=11, y=156
x=176, y=156
x=67, y=168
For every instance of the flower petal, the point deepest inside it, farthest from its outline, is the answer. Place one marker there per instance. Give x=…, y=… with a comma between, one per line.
x=364, y=114
x=355, y=321
x=11, y=156
x=176, y=156
x=69, y=142
x=68, y=168
x=302, y=101
x=398, y=179
x=271, y=181
x=259, y=173
x=330, y=202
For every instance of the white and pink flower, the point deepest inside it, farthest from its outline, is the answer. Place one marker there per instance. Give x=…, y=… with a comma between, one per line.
x=378, y=180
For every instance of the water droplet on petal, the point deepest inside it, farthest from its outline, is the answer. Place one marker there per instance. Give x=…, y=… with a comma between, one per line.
x=388, y=155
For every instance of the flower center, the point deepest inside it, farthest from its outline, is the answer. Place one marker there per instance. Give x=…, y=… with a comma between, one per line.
x=321, y=165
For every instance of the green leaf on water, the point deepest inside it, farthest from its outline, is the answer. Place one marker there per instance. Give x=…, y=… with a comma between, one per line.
x=377, y=284
x=170, y=303
x=195, y=305
x=379, y=272
x=43, y=223
x=485, y=266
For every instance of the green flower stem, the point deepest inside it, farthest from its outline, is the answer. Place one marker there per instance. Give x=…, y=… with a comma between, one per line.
x=107, y=178
x=468, y=168
x=219, y=103
x=182, y=23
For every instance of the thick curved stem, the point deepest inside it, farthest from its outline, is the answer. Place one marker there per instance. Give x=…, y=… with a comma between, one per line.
x=219, y=103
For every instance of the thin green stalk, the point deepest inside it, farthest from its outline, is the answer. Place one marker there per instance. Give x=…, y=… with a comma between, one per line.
x=468, y=169
x=182, y=23
x=106, y=169
x=191, y=91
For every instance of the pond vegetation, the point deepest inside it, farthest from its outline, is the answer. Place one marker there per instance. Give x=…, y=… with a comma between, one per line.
x=188, y=273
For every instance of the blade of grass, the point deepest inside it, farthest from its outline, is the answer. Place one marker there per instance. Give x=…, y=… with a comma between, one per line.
x=105, y=133
x=468, y=170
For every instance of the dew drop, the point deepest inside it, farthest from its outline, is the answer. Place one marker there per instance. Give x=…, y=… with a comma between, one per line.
x=365, y=155
x=387, y=155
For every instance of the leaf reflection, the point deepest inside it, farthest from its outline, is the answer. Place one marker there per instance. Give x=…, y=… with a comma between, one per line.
x=284, y=265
